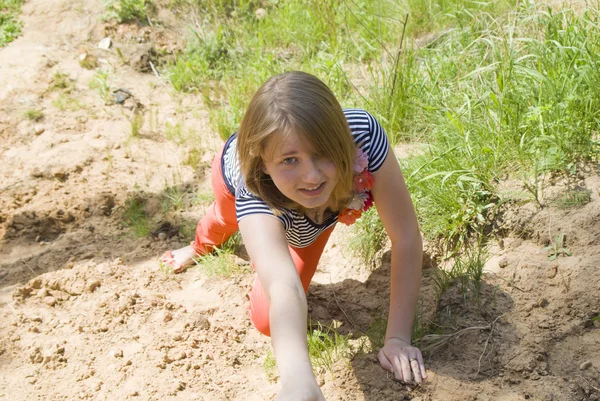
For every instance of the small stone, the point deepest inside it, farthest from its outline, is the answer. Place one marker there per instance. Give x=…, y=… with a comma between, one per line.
x=585, y=365
x=59, y=173
x=162, y=236
x=38, y=130
x=542, y=303
x=92, y=285
x=43, y=293
x=167, y=317
x=503, y=263
x=117, y=353
x=51, y=301
x=260, y=13
x=105, y=44
x=552, y=272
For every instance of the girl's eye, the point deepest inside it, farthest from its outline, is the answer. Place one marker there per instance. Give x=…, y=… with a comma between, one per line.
x=289, y=160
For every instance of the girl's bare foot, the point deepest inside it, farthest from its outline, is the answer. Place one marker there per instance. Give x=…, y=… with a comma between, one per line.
x=179, y=259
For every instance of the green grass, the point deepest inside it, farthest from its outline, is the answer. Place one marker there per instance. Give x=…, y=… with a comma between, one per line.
x=129, y=10
x=368, y=237
x=573, y=198
x=137, y=123
x=135, y=218
x=100, y=83
x=221, y=262
x=231, y=52
x=65, y=102
x=326, y=347
x=10, y=26
x=511, y=96
x=34, y=114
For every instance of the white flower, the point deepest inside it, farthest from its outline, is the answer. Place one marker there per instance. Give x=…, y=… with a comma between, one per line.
x=358, y=202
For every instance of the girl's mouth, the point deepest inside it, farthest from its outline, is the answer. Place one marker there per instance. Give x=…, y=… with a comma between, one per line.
x=313, y=191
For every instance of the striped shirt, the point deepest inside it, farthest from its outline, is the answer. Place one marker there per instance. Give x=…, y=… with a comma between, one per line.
x=300, y=231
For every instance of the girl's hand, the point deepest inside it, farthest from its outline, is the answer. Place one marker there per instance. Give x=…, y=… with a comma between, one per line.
x=402, y=359
x=300, y=392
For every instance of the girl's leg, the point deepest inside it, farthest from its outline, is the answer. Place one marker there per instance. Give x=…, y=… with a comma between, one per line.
x=306, y=261
x=219, y=222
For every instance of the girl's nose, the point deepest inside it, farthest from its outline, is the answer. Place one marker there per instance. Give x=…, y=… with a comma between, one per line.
x=311, y=173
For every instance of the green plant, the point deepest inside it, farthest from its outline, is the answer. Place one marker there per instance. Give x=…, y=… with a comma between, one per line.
x=573, y=198
x=61, y=81
x=102, y=86
x=65, y=102
x=221, y=261
x=10, y=27
x=270, y=366
x=129, y=10
x=134, y=217
x=557, y=247
x=175, y=132
x=137, y=123
x=326, y=346
x=368, y=236
x=34, y=114
x=467, y=269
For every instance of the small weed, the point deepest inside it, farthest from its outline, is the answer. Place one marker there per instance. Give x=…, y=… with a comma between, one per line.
x=65, y=102
x=368, y=236
x=134, y=217
x=129, y=10
x=34, y=114
x=270, y=367
x=175, y=132
x=61, y=81
x=573, y=198
x=136, y=124
x=193, y=158
x=376, y=333
x=101, y=85
x=174, y=198
x=467, y=269
x=88, y=61
x=325, y=347
x=221, y=261
x=557, y=247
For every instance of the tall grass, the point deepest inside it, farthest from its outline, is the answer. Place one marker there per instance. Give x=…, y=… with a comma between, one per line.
x=233, y=49
x=513, y=96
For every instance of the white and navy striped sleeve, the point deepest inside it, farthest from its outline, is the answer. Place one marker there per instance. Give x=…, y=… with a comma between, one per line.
x=368, y=135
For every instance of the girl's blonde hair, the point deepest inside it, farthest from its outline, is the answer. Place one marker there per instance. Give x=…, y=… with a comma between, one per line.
x=295, y=102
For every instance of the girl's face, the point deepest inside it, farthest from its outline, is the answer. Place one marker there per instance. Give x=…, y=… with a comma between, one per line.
x=299, y=173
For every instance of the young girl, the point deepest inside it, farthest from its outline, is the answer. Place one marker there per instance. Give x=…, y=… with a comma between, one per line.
x=298, y=165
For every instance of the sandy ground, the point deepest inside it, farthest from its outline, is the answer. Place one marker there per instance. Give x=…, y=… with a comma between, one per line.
x=86, y=313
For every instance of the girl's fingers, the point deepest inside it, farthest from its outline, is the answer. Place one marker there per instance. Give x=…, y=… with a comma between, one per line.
x=384, y=361
x=398, y=371
x=406, y=368
x=422, y=366
x=414, y=365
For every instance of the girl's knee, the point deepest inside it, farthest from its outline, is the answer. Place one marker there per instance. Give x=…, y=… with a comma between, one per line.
x=259, y=308
x=261, y=323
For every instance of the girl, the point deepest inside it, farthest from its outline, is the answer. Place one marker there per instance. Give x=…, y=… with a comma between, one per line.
x=298, y=165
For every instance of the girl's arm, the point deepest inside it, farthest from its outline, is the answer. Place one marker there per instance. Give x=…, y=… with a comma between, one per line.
x=264, y=238
x=398, y=216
